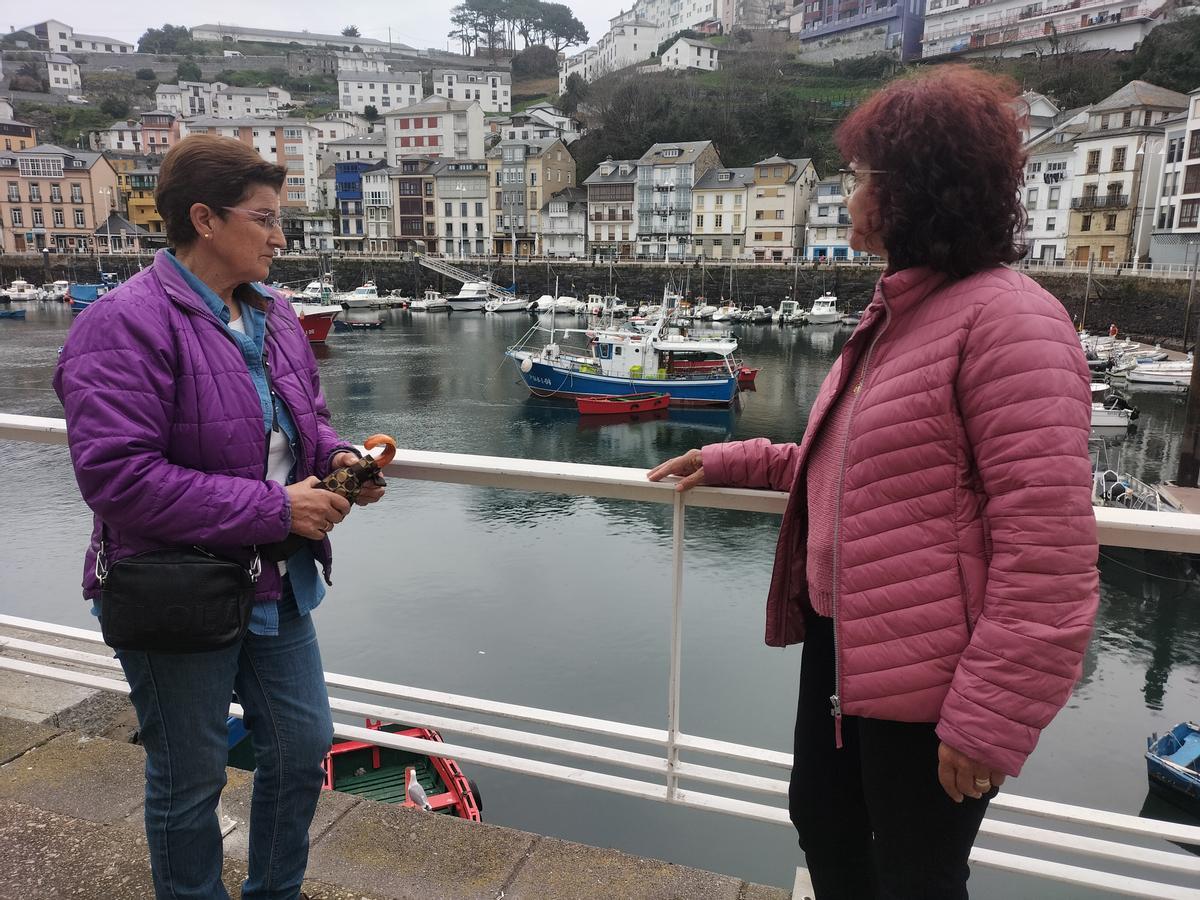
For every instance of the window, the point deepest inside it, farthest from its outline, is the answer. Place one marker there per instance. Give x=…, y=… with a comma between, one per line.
x=1052, y=200
x=1118, y=158
x=35, y=192
x=1191, y=180
x=779, y=214
x=479, y=209
x=1031, y=197
x=1194, y=145
x=17, y=220
x=14, y=192
x=1050, y=223
x=37, y=217
x=718, y=219
x=1085, y=224
x=700, y=221
x=1110, y=222
x=79, y=219
x=59, y=219
x=1093, y=162
x=1189, y=213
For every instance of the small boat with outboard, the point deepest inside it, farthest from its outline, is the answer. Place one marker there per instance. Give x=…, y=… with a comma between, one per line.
x=616, y=406
x=1173, y=766
x=12, y=313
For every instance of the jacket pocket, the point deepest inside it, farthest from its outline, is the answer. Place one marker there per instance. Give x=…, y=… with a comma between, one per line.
x=964, y=586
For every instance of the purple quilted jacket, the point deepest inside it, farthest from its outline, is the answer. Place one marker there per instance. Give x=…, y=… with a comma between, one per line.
x=965, y=568
x=166, y=429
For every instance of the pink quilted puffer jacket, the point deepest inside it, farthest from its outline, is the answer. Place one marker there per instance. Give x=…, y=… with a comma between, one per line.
x=965, y=569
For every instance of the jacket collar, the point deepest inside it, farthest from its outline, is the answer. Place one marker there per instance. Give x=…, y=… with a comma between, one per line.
x=903, y=289
x=176, y=287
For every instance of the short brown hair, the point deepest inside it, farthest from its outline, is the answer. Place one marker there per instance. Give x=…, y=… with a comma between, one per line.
x=215, y=171
x=948, y=141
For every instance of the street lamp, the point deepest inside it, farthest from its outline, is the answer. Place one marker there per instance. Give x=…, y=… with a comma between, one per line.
x=1144, y=192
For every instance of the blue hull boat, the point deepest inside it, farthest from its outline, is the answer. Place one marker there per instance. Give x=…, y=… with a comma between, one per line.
x=84, y=295
x=546, y=380
x=12, y=314
x=1173, y=765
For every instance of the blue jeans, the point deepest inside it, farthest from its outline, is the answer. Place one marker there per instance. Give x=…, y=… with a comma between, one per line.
x=182, y=701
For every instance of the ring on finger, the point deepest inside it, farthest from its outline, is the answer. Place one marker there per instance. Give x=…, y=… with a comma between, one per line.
x=983, y=783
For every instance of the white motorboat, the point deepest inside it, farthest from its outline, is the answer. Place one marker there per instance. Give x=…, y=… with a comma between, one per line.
x=759, y=314
x=789, y=313
x=23, y=290
x=365, y=296
x=544, y=303
x=704, y=311
x=471, y=298
x=319, y=291
x=824, y=311
x=432, y=301
x=724, y=313
x=607, y=306
x=512, y=304
x=1169, y=373
x=1113, y=412
x=1122, y=363
x=56, y=290
x=567, y=305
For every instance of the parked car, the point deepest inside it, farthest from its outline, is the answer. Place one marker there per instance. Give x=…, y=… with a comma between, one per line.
x=75, y=98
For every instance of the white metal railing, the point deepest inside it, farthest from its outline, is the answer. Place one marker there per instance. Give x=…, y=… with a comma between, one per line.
x=661, y=765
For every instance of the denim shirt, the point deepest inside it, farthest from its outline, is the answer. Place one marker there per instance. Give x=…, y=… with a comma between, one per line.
x=302, y=572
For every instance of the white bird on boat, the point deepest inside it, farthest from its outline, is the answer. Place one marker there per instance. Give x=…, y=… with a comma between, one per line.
x=414, y=791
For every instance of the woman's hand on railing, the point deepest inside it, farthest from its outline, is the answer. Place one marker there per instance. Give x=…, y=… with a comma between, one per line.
x=689, y=468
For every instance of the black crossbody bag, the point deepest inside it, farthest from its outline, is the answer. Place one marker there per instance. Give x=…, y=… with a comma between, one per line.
x=175, y=600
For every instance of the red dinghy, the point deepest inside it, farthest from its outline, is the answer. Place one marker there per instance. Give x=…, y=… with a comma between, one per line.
x=608, y=406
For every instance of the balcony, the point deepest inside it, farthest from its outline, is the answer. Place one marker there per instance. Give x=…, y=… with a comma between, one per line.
x=1101, y=201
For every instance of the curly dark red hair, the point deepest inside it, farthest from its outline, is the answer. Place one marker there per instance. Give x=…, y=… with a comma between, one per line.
x=949, y=141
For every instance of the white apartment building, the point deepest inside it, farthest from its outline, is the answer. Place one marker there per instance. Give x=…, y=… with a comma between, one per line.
x=777, y=207
x=371, y=145
x=667, y=173
x=827, y=231
x=1049, y=173
x=627, y=44
x=986, y=28
x=564, y=224
x=1176, y=237
x=62, y=38
x=672, y=15
x=435, y=127
x=687, y=53
x=119, y=137
x=385, y=91
x=187, y=98
x=240, y=102
x=536, y=123
x=63, y=74
x=719, y=209
x=291, y=143
x=1116, y=168
x=361, y=62
x=377, y=207
x=492, y=90
x=585, y=64
x=462, y=211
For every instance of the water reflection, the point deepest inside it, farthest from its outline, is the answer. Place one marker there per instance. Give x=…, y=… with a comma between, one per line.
x=1157, y=807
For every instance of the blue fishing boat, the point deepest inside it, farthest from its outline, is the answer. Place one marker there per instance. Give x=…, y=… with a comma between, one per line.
x=1173, y=765
x=620, y=360
x=84, y=295
x=12, y=314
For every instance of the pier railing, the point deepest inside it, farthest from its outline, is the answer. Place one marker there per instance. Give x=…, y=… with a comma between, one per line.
x=665, y=769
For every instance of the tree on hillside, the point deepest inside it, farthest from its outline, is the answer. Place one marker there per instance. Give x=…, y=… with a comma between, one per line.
x=114, y=107
x=562, y=29
x=538, y=61
x=576, y=93
x=145, y=75
x=351, y=31
x=168, y=39
x=188, y=70
x=1170, y=56
x=29, y=78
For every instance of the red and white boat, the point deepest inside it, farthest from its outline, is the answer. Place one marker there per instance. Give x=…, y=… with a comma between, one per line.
x=315, y=309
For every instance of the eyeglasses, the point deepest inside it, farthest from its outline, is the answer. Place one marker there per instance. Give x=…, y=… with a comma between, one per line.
x=268, y=220
x=850, y=177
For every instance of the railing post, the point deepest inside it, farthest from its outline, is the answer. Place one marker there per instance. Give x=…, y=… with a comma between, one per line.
x=676, y=647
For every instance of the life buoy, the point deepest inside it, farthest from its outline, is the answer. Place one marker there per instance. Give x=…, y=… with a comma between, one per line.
x=1112, y=330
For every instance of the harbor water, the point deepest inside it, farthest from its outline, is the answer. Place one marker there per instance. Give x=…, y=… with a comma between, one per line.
x=564, y=602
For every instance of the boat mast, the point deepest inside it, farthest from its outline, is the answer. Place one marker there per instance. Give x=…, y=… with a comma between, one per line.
x=553, y=308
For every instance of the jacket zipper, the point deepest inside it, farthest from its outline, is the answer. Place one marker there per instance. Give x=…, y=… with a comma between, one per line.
x=835, y=699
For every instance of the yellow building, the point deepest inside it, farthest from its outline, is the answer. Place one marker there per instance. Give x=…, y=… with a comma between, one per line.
x=522, y=175
x=142, y=210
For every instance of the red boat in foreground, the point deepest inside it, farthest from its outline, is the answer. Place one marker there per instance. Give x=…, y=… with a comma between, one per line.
x=746, y=375
x=609, y=406
x=316, y=320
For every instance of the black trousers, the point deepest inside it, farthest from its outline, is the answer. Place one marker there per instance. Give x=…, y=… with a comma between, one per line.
x=873, y=820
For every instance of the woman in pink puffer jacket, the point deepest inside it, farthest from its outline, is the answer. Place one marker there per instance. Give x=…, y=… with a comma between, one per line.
x=938, y=552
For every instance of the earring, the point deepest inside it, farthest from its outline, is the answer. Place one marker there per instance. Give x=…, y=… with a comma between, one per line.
x=208, y=236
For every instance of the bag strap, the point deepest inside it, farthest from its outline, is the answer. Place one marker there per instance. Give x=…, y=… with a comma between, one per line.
x=254, y=570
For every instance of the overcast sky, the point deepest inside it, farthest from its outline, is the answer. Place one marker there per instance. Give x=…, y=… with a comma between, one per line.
x=418, y=23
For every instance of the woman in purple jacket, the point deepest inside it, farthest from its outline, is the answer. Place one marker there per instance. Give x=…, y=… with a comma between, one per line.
x=938, y=551
x=195, y=417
